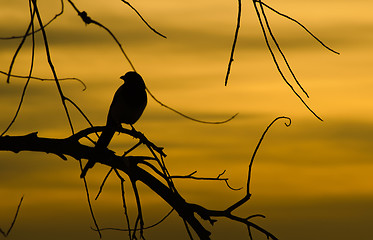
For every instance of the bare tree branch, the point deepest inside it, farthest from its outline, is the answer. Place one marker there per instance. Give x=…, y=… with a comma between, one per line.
x=71, y=146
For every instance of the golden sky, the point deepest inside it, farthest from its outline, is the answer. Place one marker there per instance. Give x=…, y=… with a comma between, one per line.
x=312, y=180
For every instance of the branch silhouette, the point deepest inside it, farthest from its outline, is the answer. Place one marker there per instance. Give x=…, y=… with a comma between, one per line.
x=157, y=176
x=265, y=26
x=157, y=179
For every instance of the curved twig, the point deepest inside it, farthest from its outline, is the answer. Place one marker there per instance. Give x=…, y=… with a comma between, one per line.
x=248, y=194
x=146, y=23
x=186, y=116
x=301, y=25
x=258, y=145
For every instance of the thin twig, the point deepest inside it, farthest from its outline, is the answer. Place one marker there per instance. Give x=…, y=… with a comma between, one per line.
x=5, y=234
x=80, y=111
x=258, y=145
x=301, y=25
x=147, y=24
x=140, y=218
x=89, y=202
x=52, y=66
x=17, y=51
x=231, y=59
x=186, y=116
x=190, y=176
x=103, y=183
x=280, y=51
x=124, y=202
x=47, y=79
x=145, y=228
x=248, y=194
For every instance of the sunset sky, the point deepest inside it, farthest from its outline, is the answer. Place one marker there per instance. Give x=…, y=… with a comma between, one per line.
x=312, y=180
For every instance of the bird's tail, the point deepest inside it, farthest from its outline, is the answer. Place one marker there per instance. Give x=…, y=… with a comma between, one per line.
x=102, y=142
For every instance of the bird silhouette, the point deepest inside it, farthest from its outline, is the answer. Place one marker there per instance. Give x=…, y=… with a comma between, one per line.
x=128, y=104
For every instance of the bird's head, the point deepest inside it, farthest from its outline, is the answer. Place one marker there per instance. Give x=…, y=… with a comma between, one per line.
x=133, y=78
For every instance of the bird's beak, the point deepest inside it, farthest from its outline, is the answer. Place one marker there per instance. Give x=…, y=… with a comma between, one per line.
x=122, y=77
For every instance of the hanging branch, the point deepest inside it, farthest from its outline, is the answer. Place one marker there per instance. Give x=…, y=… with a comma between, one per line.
x=280, y=51
x=32, y=14
x=89, y=200
x=234, y=42
x=123, y=202
x=186, y=116
x=17, y=51
x=63, y=99
x=46, y=45
x=265, y=26
x=301, y=25
x=146, y=23
x=278, y=48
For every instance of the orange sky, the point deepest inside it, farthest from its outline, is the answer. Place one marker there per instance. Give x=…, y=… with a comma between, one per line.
x=312, y=180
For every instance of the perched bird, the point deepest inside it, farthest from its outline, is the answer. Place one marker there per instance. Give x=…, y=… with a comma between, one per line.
x=127, y=107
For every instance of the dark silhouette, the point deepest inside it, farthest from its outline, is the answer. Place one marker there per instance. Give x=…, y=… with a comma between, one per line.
x=127, y=107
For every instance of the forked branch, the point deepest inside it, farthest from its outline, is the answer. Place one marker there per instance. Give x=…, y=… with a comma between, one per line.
x=131, y=166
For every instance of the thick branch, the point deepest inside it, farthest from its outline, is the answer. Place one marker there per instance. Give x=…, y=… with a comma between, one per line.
x=71, y=147
x=130, y=165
